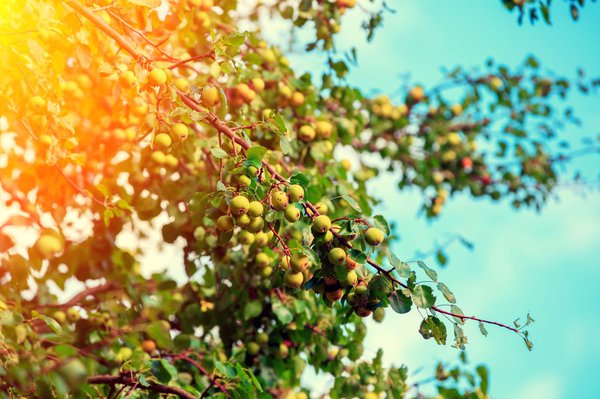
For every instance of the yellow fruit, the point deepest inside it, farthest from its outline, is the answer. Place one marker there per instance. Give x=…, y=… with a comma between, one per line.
x=346, y=164
x=279, y=200
x=49, y=245
x=245, y=237
x=261, y=238
x=38, y=121
x=37, y=103
x=496, y=82
x=159, y=157
x=417, y=94
x=127, y=79
x=179, y=132
x=243, y=220
x=351, y=278
x=182, y=84
x=258, y=84
x=321, y=224
x=162, y=140
x=456, y=109
x=262, y=260
x=374, y=236
x=255, y=209
x=378, y=315
x=157, y=77
x=324, y=129
x=295, y=193
x=321, y=208
x=253, y=348
x=306, y=133
x=171, y=161
x=337, y=256
x=256, y=225
x=210, y=96
x=292, y=214
x=149, y=346
x=73, y=314
x=299, y=262
x=293, y=279
x=454, y=139
x=124, y=354
x=239, y=205
x=285, y=91
x=297, y=99
x=225, y=223
x=59, y=316
x=45, y=140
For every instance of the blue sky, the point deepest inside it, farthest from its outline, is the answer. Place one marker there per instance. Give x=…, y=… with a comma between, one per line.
x=523, y=261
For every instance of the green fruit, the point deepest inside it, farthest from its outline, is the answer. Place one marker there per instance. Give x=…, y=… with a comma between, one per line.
x=59, y=316
x=253, y=348
x=378, y=315
x=321, y=208
x=256, y=225
x=328, y=236
x=262, y=338
x=321, y=224
x=279, y=200
x=293, y=279
x=199, y=233
x=284, y=351
x=361, y=289
x=73, y=314
x=225, y=223
x=266, y=272
x=244, y=181
x=337, y=256
x=255, y=209
x=74, y=372
x=243, y=220
x=245, y=237
x=352, y=299
x=374, y=236
x=351, y=278
x=295, y=193
x=239, y=205
x=124, y=354
x=292, y=214
x=262, y=260
x=299, y=262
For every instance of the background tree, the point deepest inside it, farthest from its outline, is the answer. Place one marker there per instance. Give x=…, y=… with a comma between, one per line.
x=118, y=116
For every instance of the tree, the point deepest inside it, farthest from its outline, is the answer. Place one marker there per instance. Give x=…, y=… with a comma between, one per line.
x=120, y=118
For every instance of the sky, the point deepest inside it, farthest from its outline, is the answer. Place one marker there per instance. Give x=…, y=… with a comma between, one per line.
x=544, y=263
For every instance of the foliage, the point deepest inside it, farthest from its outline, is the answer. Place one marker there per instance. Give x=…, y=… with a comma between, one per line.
x=121, y=119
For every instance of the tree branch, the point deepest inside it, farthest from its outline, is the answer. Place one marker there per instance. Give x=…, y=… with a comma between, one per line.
x=133, y=382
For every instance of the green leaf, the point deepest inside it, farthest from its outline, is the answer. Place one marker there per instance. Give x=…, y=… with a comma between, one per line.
x=282, y=313
x=446, y=292
x=256, y=153
x=381, y=224
x=423, y=297
x=252, y=309
x=352, y=203
x=218, y=153
x=159, y=332
x=6, y=318
x=431, y=273
x=53, y=324
x=402, y=268
x=432, y=327
x=300, y=178
x=400, y=302
x=456, y=310
x=483, y=329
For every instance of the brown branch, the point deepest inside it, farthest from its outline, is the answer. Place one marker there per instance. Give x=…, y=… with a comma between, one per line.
x=93, y=291
x=133, y=382
x=205, y=372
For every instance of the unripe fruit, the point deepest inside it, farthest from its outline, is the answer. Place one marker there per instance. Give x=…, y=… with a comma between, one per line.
x=245, y=237
x=352, y=299
x=45, y=140
x=253, y=348
x=262, y=260
x=335, y=295
x=225, y=223
x=37, y=103
x=124, y=354
x=171, y=161
x=210, y=96
x=328, y=236
x=38, y=121
x=266, y=272
x=149, y=346
x=456, y=109
x=48, y=245
x=324, y=129
x=258, y=84
x=279, y=200
x=371, y=395
x=321, y=224
x=351, y=278
x=74, y=372
x=337, y=256
x=306, y=133
x=321, y=208
x=244, y=181
x=286, y=262
x=255, y=209
x=496, y=82
x=159, y=157
x=374, y=236
x=284, y=351
x=179, y=132
x=346, y=164
x=295, y=193
x=261, y=239
x=378, y=315
x=293, y=279
x=73, y=314
x=157, y=77
x=361, y=289
x=182, y=84
x=239, y=205
x=299, y=262
x=297, y=99
x=162, y=140
x=127, y=79
x=243, y=220
x=292, y=214
x=454, y=139
x=256, y=225
x=262, y=338
x=59, y=316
